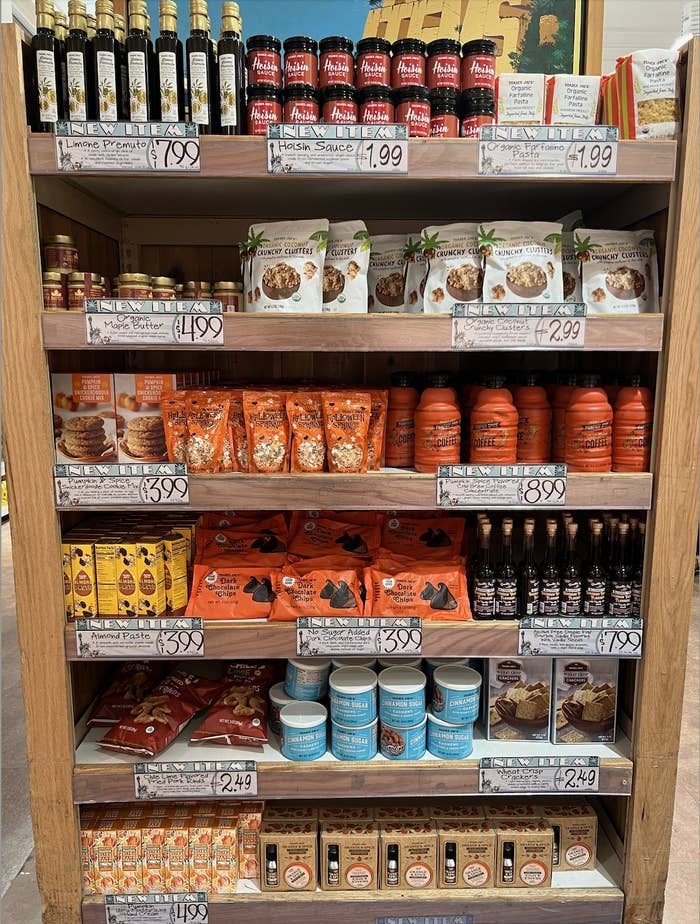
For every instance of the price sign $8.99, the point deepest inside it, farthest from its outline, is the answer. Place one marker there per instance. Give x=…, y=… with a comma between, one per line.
x=175, y=154
x=199, y=329
x=164, y=489
x=543, y=492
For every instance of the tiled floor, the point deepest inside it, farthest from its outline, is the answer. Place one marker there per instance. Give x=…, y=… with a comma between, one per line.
x=21, y=902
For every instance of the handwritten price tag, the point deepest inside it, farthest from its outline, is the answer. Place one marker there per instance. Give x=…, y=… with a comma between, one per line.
x=553, y=150
x=157, y=908
x=321, y=148
x=493, y=326
x=511, y=775
x=146, y=485
x=501, y=485
x=358, y=636
x=129, y=147
x=111, y=321
x=566, y=635
x=221, y=779
x=139, y=638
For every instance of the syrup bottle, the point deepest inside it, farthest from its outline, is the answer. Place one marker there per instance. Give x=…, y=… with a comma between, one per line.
x=550, y=583
x=484, y=578
x=529, y=575
x=571, y=589
x=595, y=590
x=506, y=576
x=169, y=65
x=620, y=600
x=638, y=573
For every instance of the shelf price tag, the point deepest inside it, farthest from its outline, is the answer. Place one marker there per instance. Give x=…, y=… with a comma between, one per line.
x=511, y=775
x=525, y=486
x=320, y=148
x=516, y=326
x=115, y=321
x=157, y=908
x=202, y=779
x=548, y=150
x=139, y=638
x=429, y=919
x=580, y=635
x=336, y=635
x=129, y=147
x=134, y=484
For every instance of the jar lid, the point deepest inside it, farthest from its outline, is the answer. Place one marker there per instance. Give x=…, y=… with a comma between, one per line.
x=373, y=44
x=457, y=677
x=52, y=276
x=376, y=91
x=300, y=91
x=268, y=42
x=278, y=696
x=335, y=43
x=400, y=662
x=443, y=46
x=141, y=278
x=229, y=286
x=403, y=94
x=317, y=664
x=443, y=99
x=303, y=714
x=467, y=727
x=60, y=239
x=163, y=281
x=408, y=46
x=438, y=380
x=405, y=680
x=353, y=680
x=371, y=663
x=479, y=47
x=339, y=91
x=403, y=379
x=480, y=99
x=202, y=285
x=80, y=278
x=264, y=91
x=301, y=43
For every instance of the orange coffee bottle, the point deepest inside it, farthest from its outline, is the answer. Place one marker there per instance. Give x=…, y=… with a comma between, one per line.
x=494, y=425
x=400, y=421
x=612, y=389
x=588, y=428
x=632, y=423
x=534, y=421
x=438, y=425
x=560, y=401
x=467, y=399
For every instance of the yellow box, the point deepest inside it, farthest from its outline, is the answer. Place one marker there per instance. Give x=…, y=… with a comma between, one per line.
x=175, y=567
x=201, y=835
x=106, y=571
x=104, y=856
x=129, y=857
x=224, y=856
x=176, y=855
x=82, y=558
x=127, y=577
x=67, y=581
x=150, y=570
x=153, y=853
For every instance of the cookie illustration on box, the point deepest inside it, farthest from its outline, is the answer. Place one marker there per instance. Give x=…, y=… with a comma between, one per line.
x=84, y=417
x=138, y=398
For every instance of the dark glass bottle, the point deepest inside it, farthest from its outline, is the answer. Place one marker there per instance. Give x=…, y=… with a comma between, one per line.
x=595, y=589
x=154, y=95
x=91, y=27
x=231, y=71
x=550, y=583
x=45, y=62
x=138, y=64
x=620, y=599
x=638, y=573
x=199, y=72
x=123, y=65
x=529, y=575
x=484, y=577
x=61, y=32
x=105, y=55
x=506, y=576
x=171, y=74
x=79, y=65
x=571, y=590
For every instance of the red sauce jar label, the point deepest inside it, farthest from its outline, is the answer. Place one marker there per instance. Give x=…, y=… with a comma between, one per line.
x=298, y=111
x=416, y=114
x=443, y=71
x=340, y=112
x=470, y=125
x=53, y=295
x=376, y=112
x=444, y=126
x=478, y=71
x=337, y=67
x=300, y=67
x=264, y=67
x=261, y=113
x=408, y=70
x=373, y=68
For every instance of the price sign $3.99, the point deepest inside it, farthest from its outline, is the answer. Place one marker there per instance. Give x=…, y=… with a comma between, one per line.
x=174, y=643
x=164, y=489
x=401, y=641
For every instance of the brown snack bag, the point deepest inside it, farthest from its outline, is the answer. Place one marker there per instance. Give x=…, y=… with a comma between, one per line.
x=207, y=419
x=267, y=430
x=346, y=417
x=237, y=432
x=376, y=436
x=131, y=682
x=305, y=415
x=174, y=410
x=239, y=716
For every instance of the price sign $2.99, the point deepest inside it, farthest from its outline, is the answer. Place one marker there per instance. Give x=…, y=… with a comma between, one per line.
x=560, y=332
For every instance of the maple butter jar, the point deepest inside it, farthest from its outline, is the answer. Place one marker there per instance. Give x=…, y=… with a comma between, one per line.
x=82, y=286
x=134, y=285
x=60, y=253
x=230, y=294
x=164, y=288
x=53, y=292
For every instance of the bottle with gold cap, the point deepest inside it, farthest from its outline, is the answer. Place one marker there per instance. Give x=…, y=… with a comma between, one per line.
x=231, y=71
x=61, y=32
x=137, y=62
x=169, y=65
x=45, y=60
x=78, y=64
x=91, y=26
x=199, y=73
x=122, y=65
x=214, y=68
x=152, y=74
x=106, y=64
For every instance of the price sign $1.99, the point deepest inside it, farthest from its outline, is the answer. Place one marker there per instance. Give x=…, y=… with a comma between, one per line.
x=164, y=489
x=174, y=155
x=383, y=156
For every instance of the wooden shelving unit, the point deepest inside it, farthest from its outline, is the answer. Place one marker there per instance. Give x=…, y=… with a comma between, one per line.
x=136, y=223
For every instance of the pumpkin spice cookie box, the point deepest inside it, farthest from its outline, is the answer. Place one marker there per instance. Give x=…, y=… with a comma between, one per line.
x=84, y=417
x=140, y=431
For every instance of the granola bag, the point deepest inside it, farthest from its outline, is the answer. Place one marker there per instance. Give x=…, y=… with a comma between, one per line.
x=522, y=261
x=438, y=540
x=571, y=268
x=314, y=537
x=267, y=430
x=433, y=592
x=283, y=264
x=648, y=94
x=346, y=417
x=345, y=267
x=130, y=684
x=173, y=405
x=158, y=719
x=454, y=267
x=227, y=461
x=230, y=592
x=572, y=99
x=376, y=433
x=207, y=427
x=315, y=593
x=239, y=715
x=620, y=273
x=416, y=272
x=386, y=274
x=305, y=415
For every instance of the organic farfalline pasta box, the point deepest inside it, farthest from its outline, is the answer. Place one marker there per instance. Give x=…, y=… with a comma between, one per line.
x=520, y=99
x=648, y=94
x=572, y=99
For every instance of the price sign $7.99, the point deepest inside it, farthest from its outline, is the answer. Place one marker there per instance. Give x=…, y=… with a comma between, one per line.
x=175, y=154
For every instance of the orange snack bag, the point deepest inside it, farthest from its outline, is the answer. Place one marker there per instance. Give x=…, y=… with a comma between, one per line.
x=315, y=537
x=251, y=544
x=230, y=592
x=267, y=430
x=174, y=410
x=437, y=540
x=207, y=421
x=376, y=435
x=328, y=563
x=231, y=519
x=355, y=517
x=305, y=414
x=431, y=594
x=346, y=417
x=317, y=593
x=237, y=433
x=224, y=855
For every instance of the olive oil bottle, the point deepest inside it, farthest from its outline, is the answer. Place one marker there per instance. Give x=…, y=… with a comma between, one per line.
x=79, y=65
x=61, y=32
x=137, y=62
x=170, y=70
x=122, y=66
x=231, y=66
x=106, y=64
x=199, y=70
x=47, y=88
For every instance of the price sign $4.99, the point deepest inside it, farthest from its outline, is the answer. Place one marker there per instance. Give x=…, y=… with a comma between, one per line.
x=156, y=908
x=198, y=329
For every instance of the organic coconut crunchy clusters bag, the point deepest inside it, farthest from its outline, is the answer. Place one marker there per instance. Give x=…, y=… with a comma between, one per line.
x=454, y=266
x=620, y=272
x=386, y=277
x=345, y=267
x=522, y=261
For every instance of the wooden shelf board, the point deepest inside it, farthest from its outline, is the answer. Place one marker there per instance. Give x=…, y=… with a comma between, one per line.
x=65, y=330
x=102, y=775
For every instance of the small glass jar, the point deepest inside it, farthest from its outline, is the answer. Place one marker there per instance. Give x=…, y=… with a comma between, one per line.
x=408, y=63
x=340, y=105
x=195, y=291
x=60, y=253
x=82, y=286
x=477, y=108
x=163, y=288
x=337, y=65
x=443, y=64
x=479, y=65
x=300, y=61
x=444, y=121
x=264, y=108
x=53, y=291
x=135, y=285
x=376, y=106
x=264, y=61
x=373, y=63
x=300, y=104
x=230, y=294
x=413, y=108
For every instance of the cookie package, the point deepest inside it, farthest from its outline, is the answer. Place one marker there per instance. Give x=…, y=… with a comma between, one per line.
x=140, y=428
x=84, y=416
